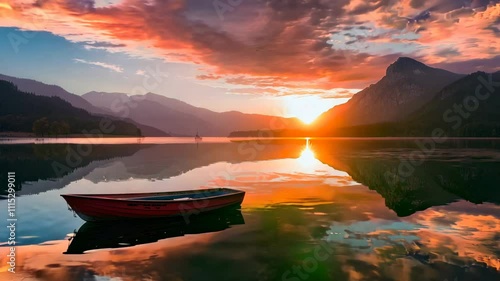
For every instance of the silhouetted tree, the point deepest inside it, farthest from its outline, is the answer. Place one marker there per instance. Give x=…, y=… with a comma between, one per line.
x=65, y=128
x=41, y=127
x=58, y=128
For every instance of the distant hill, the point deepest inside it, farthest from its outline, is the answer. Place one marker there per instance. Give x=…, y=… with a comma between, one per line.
x=467, y=107
x=42, y=89
x=20, y=110
x=180, y=118
x=144, y=110
x=406, y=87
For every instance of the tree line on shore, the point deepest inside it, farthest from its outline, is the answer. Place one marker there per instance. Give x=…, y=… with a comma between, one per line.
x=43, y=127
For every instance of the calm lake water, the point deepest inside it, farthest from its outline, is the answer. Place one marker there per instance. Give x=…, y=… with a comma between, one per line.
x=323, y=209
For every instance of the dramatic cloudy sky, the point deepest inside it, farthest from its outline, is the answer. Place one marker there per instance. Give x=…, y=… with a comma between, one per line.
x=266, y=56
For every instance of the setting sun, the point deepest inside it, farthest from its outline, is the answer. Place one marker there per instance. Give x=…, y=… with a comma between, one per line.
x=308, y=108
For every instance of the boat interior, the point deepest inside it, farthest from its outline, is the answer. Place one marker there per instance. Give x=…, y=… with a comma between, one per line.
x=186, y=196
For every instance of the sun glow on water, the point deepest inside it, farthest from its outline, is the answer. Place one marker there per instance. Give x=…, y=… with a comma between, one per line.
x=307, y=157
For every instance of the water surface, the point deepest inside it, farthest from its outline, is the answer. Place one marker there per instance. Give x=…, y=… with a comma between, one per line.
x=327, y=210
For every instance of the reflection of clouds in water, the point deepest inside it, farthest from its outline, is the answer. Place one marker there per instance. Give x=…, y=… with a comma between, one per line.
x=368, y=235
x=369, y=241
x=433, y=235
x=290, y=206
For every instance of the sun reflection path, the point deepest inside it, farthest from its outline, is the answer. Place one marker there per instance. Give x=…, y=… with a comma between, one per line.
x=307, y=158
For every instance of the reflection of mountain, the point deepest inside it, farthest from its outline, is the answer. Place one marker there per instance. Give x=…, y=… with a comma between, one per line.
x=92, y=236
x=121, y=162
x=46, y=165
x=466, y=174
x=447, y=176
x=165, y=161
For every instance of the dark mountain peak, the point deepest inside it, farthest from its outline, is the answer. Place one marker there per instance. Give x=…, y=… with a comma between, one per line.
x=7, y=85
x=95, y=93
x=404, y=65
x=408, y=85
x=47, y=90
x=478, y=73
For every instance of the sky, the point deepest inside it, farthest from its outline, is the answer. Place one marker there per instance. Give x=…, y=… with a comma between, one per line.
x=279, y=57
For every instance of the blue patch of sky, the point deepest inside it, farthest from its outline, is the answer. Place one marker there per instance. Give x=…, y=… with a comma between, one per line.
x=362, y=39
x=50, y=59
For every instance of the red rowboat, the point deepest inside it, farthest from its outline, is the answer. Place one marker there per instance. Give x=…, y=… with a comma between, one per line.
x=98, y=207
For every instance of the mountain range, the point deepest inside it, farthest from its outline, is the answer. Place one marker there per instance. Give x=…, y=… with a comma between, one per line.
x=412, y=99
x=180, y=118
x=407, y=86
x=53, y=116
x=467, y=107
x=41, y=89
x=156, y=115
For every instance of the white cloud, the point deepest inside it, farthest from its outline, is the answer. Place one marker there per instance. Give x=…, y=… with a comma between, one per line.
x=101, y=64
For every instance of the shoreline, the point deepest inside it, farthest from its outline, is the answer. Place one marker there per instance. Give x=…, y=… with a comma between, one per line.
x=3, y=137
x=32, y=136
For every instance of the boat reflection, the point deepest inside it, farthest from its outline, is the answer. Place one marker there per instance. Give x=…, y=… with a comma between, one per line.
x=99, y=235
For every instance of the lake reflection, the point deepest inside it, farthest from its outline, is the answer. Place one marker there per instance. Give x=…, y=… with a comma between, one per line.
x=316, y=210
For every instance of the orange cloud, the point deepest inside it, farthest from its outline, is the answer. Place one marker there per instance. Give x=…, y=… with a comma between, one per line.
x=279, y=44
x=5, y=6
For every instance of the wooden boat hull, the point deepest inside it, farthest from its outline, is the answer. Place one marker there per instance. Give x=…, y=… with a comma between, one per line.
x=98, y=207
